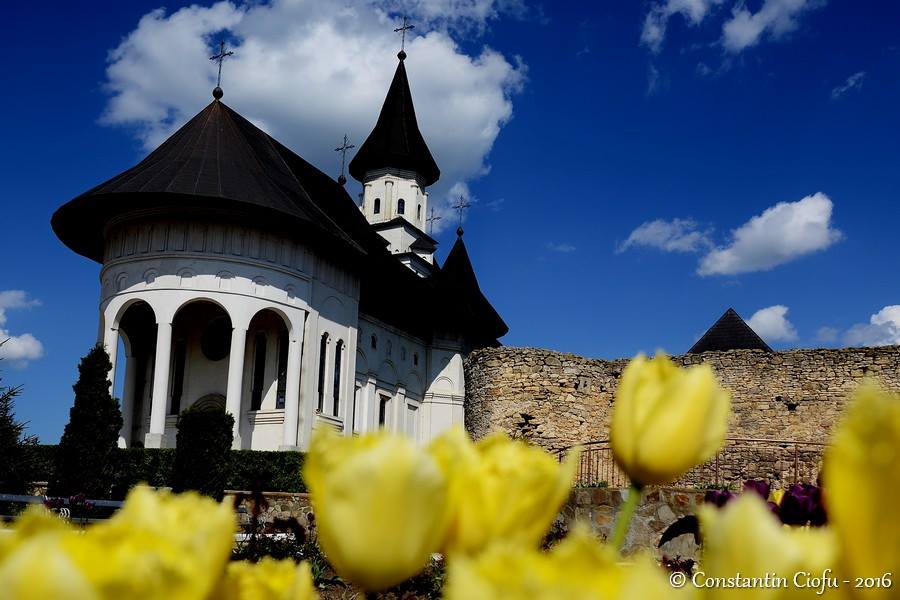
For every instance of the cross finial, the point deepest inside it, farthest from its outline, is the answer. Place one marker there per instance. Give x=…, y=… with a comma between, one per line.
x=431, y=219
x=219, y=58
x=402, y=31
x=343, y=150
x=461, y=205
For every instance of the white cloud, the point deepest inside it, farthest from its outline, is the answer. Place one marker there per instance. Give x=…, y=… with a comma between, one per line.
x=307, y=72
x=775, y=18
x=677, y=235
x=561, y=247
x=17, y=348
x=653, y=32
x=854, y=82
x=827, y=335
x=772, y=325
x=780, y=234
x=883, y=329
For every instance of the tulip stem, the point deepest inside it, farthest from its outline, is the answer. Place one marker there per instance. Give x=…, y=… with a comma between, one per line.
x=626, y=512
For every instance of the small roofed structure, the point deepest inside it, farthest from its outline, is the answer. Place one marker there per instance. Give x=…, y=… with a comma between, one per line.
x=730, y=332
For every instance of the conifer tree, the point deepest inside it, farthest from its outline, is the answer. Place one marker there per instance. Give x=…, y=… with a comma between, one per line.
x=16, y=448
x=87, y=453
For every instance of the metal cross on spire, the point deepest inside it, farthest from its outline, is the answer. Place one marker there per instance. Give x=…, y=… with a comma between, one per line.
x=343, y=150
x=402, y=31
x=219, y=58
x=461, y=205
x=431, y=219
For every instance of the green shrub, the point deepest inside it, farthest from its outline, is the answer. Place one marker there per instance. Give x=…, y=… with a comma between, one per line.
x=16, y=448
x=152, y=466
x=202, y=451
x=86, y=459
x=267, y=471
x=44, y=456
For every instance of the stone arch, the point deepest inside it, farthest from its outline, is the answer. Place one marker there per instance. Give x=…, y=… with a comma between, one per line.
x=150, y=276
x=443, y=384
x=414, y=384
x=332, y=309
x=210, y=402
x=184, y=277
x=387, y=373
x=362, y=363
x=122, y=281
x=120, y=312
x=269, y=335
x=278, y=311
x=224, y=280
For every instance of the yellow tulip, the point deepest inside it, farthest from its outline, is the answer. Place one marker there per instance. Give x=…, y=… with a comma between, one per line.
x=158, y=545
x=501, y=489
x=269, y=579
x=745, y=540
x=862, y=485
x=380, y=504
x=666, y=419
x=578, y=568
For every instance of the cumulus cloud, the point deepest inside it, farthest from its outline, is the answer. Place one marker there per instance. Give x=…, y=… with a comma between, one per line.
x=17, y=348
x=854, y=82
x=772, y=325
x=677, y=235
x=883, y=329
x=307, y=72
x=561, y=247
x=774, y=18
x=653, y=32
x=827, y=335
x=780, y=234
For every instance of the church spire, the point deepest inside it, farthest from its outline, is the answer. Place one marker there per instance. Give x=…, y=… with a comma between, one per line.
x=396, y=142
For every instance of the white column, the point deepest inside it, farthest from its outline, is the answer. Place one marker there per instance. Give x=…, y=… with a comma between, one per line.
x=328, y=382
x=371, y=405
x=235, y=383
x=292, y=389
x=111, y=343
x=127, y=402
x=309, y=378
x=156, y=437
x=399, y=411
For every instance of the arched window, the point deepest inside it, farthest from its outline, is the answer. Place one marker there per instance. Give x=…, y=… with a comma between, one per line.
x=419, y=212
x=259, y=371
x=323, y=350
x=416, y=359
x=282, y=369
x=377, y=206
x=336, y=391
x=401, y=206
x=374, y=342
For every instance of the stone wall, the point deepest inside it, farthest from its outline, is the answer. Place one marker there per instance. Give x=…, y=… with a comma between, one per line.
x=557, y=400
x=659, y=508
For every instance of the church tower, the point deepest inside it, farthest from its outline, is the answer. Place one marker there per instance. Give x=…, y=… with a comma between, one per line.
x=395, y=167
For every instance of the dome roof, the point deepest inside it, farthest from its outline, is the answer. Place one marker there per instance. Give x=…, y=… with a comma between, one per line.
x=396, y=141
x=218, y=161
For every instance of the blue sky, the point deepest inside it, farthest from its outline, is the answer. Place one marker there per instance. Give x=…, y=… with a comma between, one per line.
x=626, y=159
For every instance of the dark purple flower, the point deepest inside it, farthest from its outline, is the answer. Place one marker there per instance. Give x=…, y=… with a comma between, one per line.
x=759, y=486
x=802, y=504
x=718, y=498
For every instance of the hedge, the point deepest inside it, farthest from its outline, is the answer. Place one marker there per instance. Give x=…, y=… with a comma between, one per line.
x=274, y=471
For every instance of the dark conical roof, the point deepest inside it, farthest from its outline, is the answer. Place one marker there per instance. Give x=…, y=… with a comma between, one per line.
x=396, y=141
x=217, y=161
x=463, y=302
x=730, y=332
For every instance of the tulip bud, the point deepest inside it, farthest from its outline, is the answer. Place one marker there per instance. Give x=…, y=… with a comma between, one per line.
x=269, y=579
x=666, y=420
x=380, y=504
x=501, y=489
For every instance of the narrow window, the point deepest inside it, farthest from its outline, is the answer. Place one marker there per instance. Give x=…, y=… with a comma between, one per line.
x=282, y=369
x=401, y=206
x=402, y=353
x=374, y=342
x=419, y=213
x=336, y=391
x=382, y=409
x=377, y=207
x=323, y=349
x=259, y=370
x=178, y=376
x=416, y=359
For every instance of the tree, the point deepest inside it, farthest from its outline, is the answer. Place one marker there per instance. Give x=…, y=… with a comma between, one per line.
x=16, y=448
x=202, y=451
x=88, y=451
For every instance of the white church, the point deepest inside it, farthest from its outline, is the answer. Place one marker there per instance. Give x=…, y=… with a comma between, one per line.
x=240, y=277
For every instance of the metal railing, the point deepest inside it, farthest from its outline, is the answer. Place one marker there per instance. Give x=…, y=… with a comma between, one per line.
x=740, y=459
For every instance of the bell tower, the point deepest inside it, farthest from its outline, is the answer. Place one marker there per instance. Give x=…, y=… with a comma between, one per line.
x=395, y=167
